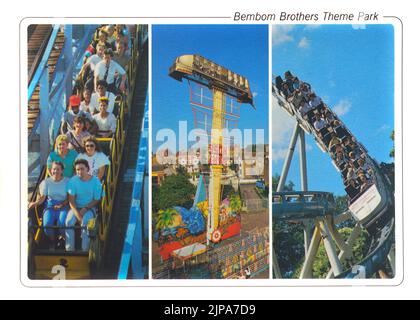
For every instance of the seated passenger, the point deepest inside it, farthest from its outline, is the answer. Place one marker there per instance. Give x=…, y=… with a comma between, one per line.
x=304, y=108
x=84, y=192
x=101, y=91
x=296, y=98
x=76, y=136
x=89, y=67
x=314, y=101
x=107, y=70
x=54, y=189
x=351, y=172
x=106, y=122
x=74, y=110
x=96, y=159
x=285, y=90
x=289, y=79
x=364, y=182
x=120, y=57
x=319, y=123
x=340, y=130
x=353, y=189
x=329, y=116
x=122, y=35
x=353, y=159
x=295, y=84
x=306, y=91
x=110, y=29
x=341, y=162
x=334, y=142
x=362, y=165
x=102, y=40
x=86, y=104
x=279, y=83
x=62, y=154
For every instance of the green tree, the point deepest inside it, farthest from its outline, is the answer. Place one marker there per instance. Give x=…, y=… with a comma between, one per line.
x=175, y=190
x=360, y=249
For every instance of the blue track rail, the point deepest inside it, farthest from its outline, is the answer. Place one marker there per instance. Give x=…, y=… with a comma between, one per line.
x=133, y=244
x=44, y=61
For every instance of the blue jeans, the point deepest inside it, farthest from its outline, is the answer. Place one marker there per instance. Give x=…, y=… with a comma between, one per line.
x=54, y=217
x=70, y=234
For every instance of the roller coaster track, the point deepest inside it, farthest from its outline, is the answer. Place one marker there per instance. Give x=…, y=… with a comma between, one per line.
x=373, y=210
x=88, y=265
x=39, y=38
x=123, y=198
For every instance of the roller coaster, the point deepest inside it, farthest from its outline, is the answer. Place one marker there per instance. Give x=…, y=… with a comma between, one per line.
x=119, y=233
x=370, y=207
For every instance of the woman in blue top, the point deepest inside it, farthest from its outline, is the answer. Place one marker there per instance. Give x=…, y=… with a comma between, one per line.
x=54, y=189
x=64, y=155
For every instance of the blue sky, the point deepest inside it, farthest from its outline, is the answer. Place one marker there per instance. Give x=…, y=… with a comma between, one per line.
x=352, y=69
x=240, y=48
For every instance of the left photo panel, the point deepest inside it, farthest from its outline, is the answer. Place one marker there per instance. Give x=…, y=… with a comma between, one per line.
x=87, y=129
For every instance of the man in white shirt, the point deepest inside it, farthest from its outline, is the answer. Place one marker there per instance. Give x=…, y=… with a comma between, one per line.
x=90, y=65
x=101, y=91
x=108, y=70
x=319, y=123
x=314, y=100
x=304, y=108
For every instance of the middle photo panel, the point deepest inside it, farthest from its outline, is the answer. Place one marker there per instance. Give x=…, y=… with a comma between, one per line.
x=210, y=168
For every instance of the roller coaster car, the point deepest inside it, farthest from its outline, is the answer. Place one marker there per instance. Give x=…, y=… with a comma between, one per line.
x=46, y=263
x=291, y=205
x=375, y=202
x=201, y=70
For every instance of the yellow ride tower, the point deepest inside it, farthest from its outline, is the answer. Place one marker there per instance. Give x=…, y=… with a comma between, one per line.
x=221, y=82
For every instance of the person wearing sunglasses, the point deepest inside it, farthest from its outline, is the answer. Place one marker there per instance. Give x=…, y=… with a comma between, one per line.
x=96, y=159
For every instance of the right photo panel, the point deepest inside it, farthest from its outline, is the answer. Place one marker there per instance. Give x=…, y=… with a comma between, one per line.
x=333, y=151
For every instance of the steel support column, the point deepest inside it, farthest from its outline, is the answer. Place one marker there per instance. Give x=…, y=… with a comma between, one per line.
x=44, y=114
x=68, y=57
x=289, y=157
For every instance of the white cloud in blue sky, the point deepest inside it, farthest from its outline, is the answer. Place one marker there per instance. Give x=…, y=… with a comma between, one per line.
x=385, y=127
x=351, y=69
x=358, y=26
x=281, y=133
x=342, y=107
x=304, y=43
x=281, y=34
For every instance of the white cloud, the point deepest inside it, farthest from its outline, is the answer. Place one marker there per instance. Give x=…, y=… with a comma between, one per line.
x=281, y=34
x=310, y=27
x=304, y=43
x=254, y=94
x=358, y=26
x=282, y=130
x=342, y=107
x=383, y=128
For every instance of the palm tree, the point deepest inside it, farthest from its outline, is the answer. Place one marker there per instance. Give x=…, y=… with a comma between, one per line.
x=165, y=218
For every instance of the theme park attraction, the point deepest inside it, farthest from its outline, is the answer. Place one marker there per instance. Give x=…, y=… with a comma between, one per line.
x=119, y=232
x=370, y=210
x=215, y=96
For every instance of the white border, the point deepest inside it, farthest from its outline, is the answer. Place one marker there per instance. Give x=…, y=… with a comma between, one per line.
x=202, y=283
